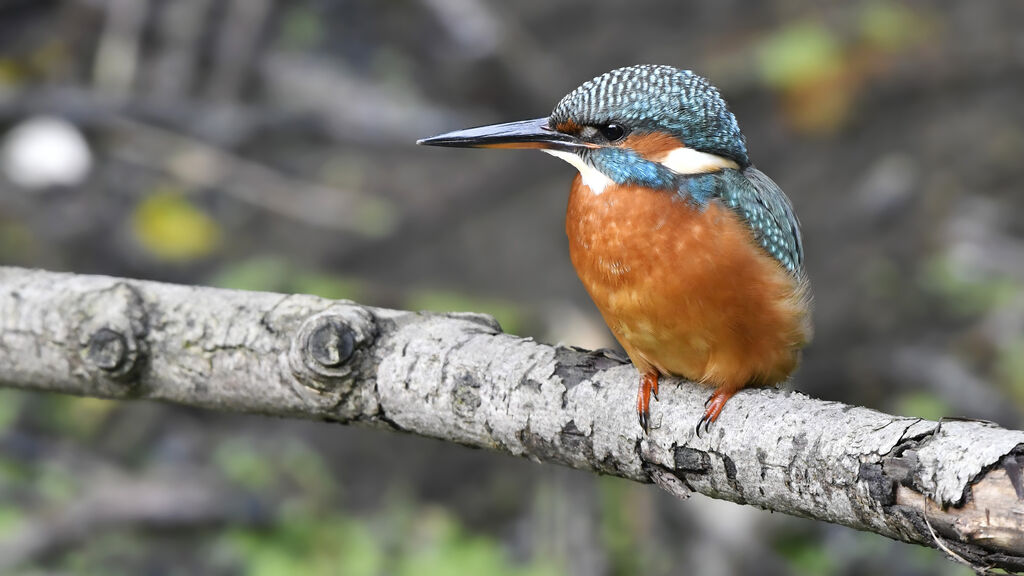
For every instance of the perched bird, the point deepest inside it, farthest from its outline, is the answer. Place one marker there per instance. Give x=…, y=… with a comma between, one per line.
x=692, y=255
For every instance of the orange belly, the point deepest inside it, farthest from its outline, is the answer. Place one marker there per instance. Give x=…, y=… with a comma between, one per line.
x=686, y=291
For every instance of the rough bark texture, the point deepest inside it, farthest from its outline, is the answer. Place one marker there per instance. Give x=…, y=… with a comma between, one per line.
x=458, y=378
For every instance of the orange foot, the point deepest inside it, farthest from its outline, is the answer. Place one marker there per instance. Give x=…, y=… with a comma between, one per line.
x=713, y=408
x=648, y=386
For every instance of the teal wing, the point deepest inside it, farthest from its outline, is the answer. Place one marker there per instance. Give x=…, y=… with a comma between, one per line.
x=763, y=206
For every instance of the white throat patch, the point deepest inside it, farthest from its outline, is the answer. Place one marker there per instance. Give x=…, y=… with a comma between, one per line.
x=592, y=177
x=681, y=161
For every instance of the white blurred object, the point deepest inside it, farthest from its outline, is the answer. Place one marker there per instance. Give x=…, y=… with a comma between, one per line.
x=44, y=151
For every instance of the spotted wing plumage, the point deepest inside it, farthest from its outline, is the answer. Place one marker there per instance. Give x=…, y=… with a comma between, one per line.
x=763, y=206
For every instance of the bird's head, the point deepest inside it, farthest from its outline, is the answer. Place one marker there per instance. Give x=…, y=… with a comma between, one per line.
x=641, y=125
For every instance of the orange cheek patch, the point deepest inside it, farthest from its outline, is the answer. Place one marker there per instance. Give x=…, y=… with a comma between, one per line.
x=653, y=146
x=568, y=127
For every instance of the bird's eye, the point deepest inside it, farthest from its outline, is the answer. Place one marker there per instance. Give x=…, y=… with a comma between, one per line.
x=612, y=132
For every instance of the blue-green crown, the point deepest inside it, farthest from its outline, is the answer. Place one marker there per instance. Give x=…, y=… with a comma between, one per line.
x=651, y=98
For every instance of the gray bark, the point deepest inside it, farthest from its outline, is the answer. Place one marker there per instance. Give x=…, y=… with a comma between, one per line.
x=954, y=485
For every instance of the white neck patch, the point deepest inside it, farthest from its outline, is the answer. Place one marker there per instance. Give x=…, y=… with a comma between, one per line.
x=685, y=160
x=682, y=160
x=592, y=177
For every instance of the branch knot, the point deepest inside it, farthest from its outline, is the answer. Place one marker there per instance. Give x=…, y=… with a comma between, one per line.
x=112, y=328
x=328, y=344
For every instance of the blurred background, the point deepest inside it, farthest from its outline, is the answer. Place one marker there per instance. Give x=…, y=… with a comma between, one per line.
x=268, y=145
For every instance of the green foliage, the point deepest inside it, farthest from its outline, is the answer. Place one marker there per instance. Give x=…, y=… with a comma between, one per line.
x=1010, y=367
x=266, y=273
x=274, y=274
x=438, y=546
x=922, y=405
x=328, y=286
x=506, y=313
x=928, y=562
x=108, y=554
x=797, y=54
x=13, y=474
x=17, y=243
x=12, y=72
x=55, y=482
x=806, y=555
x=964, y=293
x=301, y=29
x=11, y=518
x=617, y=533
x=305, y=467
x=808, y=50
x=308, y=545
x=312, y=537
x=311, y=544
x=76, y=416
x=171, y=228
x=892, y=26
x=375, y=217
x=243, y=464
x=10, y=407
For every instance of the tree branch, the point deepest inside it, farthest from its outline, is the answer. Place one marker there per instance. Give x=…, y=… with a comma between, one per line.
x=458, y=378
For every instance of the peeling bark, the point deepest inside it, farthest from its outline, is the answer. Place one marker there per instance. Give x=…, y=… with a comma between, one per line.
x=458, y=378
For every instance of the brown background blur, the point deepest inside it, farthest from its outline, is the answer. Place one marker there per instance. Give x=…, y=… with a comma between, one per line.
x=268, y=145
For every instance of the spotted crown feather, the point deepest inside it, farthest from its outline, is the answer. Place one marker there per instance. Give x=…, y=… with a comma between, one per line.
x=658, y=98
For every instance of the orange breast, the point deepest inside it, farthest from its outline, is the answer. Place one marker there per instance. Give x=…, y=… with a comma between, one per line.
x=685, y=290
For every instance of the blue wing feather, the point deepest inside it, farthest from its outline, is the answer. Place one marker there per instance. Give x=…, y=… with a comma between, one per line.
x=763, y=206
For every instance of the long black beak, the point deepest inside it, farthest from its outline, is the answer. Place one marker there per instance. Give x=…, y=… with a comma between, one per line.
x=523, y=134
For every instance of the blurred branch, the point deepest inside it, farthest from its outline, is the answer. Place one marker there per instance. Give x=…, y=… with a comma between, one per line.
x=198, y=164
x=237, y=46
x=179, y=31
x=117, y=57
x=221, y=124
x=478, y=32
x=400, y=122
x=458, y=378
x=351, y=107
x=923, y=367
x=183, y=500
x=470, y=24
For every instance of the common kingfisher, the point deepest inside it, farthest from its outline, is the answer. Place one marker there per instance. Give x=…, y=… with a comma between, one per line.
x=692, y=255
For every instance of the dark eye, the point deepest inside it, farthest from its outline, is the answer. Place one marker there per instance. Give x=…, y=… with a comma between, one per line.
x=612, y=132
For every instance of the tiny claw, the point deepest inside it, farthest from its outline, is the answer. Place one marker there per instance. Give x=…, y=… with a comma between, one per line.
x=644, y=420
x=648, y=385
x=713, y=409
x=704, y=421
x=651, y=378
